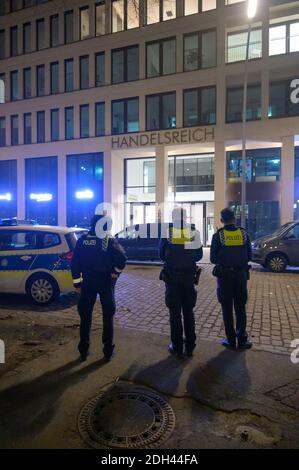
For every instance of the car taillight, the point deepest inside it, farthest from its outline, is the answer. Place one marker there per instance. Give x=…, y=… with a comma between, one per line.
x=67, y=256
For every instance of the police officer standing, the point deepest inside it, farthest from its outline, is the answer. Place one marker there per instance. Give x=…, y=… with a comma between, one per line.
x=97, y=262
x=180, y=251
x=231, y=252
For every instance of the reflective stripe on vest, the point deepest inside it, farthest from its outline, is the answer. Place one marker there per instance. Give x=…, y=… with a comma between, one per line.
x=233, y=238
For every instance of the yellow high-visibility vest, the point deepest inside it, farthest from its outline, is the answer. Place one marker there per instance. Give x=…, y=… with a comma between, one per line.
x=233, y=238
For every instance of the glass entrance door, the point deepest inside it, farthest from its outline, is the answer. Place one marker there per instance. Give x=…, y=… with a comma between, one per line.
x=202, y=215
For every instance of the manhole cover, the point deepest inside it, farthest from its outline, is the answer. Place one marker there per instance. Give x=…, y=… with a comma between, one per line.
x=126, y=416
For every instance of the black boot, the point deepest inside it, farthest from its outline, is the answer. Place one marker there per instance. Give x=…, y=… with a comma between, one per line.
x=108, y=352
x=228, y=345
x=174, y=351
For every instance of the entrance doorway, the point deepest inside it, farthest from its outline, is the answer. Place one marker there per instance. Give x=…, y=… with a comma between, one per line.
x=202, y=215
x=140, y=213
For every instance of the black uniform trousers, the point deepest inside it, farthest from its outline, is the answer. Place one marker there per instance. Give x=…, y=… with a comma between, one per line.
x=181, y=298
x=232, y=295
x=104, y=286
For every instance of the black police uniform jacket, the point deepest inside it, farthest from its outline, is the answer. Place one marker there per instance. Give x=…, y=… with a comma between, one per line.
x=231, y=247
x=94, y=257
x=176, y=254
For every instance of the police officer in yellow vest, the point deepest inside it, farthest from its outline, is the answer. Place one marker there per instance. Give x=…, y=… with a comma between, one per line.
x=180, y=250
x=231, y=252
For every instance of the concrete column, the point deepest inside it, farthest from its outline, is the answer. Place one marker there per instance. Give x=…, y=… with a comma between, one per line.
x=142, y=60
x=142, y=121
x=179, y=108
x=77, y=122
x=108, y=16
x=108, y=117
x=62, y=206
x=47, y=32
x=92, y=70
x=76, y=65
x=34, y=127
x=287, y=179
x=161, y=182
x=76, y=24
x=220, y=181
x=179, y=53
x=21, y=188
x=265, y=93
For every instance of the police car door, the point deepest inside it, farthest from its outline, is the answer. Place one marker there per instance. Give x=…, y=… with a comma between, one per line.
x=17, y=253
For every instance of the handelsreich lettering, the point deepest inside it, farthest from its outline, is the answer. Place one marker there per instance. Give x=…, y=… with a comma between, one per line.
x=171, y=137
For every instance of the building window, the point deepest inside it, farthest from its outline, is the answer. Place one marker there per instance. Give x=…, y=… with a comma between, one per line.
x=200, y=106
x=40, y=127
x=84, y=22
x=200, y=50
x=2, y=131
x=2, y=8
x=100, y=119
x=196, y=6
x=40, y=34
x=13, y=5
x=40, y=80
x=125, y=64
x=160, y=58
x=234, y=104
x=284, y=38
x=14, y=85
x=125, y=15
x=14, y=129
x=13, y=41
x=262, y=165
x=27, y=83
x=2, y=43
x=280, y=104
x=68, y=27
x=69, y=75
x=191, y=174
x=125, y=116
x=41, y=179
x=84, y=72
x=100, y=18
x=26, y=38
x=84, y=187
x=27, y=128
x=237, y=46
x=54, y=125
x=84, y=121
x=160, y=10
x=100, y=69
x=54, y=30
x=161, y=111
x=69, y=123
x=8, y=188
x=54, y=68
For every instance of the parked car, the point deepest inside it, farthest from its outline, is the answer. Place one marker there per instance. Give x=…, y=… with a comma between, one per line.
x=35, y=259
x=278, y=250
x=141, y=241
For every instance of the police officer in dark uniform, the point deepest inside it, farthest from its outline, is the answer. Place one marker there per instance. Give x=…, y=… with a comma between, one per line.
x=97, y=262
x=180, y=251
x=231, y=252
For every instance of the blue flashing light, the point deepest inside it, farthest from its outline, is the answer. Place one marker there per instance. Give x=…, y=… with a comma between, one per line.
x=6, y=197
x=41, y=197
x=86, y=194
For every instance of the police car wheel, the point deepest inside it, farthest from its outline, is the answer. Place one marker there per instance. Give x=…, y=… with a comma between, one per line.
x=277, y=263
x=42, y=289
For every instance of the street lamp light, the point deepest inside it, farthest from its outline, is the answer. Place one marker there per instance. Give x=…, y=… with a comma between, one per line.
x=251, y=12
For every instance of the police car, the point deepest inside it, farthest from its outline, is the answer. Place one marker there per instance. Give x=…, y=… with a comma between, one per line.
x=35, y=259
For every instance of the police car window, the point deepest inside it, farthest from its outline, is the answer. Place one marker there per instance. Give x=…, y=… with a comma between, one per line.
x=49, y=239
x=12, y=240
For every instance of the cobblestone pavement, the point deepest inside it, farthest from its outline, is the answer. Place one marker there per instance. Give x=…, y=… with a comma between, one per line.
x=273, y=308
